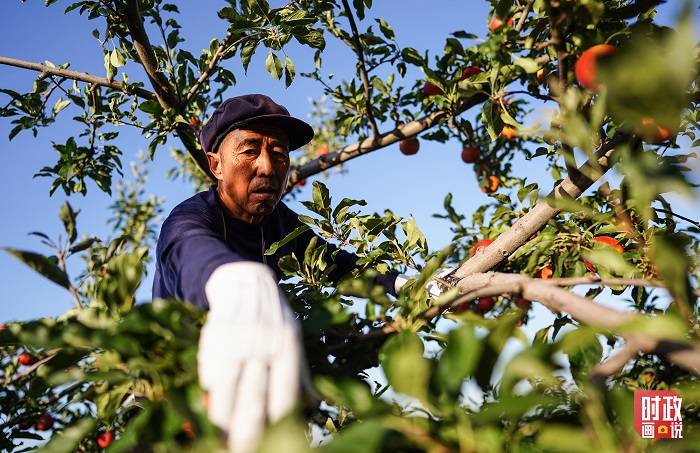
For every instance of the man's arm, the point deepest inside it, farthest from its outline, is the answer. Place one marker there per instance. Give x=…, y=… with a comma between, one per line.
x=250, y=358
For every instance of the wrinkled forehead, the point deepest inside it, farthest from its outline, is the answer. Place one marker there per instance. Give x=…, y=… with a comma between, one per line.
x=256, y=134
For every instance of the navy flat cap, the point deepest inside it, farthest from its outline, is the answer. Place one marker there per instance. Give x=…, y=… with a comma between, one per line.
x=249, y=109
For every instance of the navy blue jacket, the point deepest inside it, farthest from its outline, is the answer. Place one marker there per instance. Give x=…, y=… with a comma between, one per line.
x=198, y=236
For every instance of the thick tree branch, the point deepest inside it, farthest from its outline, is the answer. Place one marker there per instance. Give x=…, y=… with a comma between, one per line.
x=580, y=308
x=362, y=69
x=559, y=300
x=571, y=187
x=79, y=76
x=163, y=89
x=147, y=57
x=374, y=143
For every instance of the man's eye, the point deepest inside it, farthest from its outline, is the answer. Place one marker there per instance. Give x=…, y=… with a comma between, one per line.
x=250, y=152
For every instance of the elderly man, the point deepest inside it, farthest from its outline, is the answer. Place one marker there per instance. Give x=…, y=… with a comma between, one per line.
x=211, y=253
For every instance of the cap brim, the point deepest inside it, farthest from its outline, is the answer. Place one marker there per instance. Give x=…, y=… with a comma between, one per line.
x=298, y=132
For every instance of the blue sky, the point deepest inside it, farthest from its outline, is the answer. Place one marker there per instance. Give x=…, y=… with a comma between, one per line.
x=413, y=185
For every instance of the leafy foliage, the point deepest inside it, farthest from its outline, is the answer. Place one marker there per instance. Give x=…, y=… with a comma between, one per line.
x=405, y=373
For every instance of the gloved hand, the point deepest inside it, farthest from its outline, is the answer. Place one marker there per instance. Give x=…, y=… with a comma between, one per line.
x=434, y=287
x=250, y=357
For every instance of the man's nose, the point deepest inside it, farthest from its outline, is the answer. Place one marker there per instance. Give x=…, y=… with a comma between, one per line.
x=264, y=163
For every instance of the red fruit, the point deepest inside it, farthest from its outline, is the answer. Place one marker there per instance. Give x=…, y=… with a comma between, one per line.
x=497, y=23
x=26, y=359
x=585, y=69
x=194, y=122
x=652, y=132
x=603, y=240
x=409, y=146
x=545, y=273
x=301, y=183
x=322, y=150
x=480, y=245
x=44, y=423
x=430, y=89
x=461, y=308
x=470, y=154
x=470, y=71
x=484, y=304
x=105, y=439
x=521, y=303
x=493, y=184
x=509, y=132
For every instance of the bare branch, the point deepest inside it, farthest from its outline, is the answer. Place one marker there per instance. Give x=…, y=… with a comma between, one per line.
x=79, y=76
x=571, y=187
x=362, y=69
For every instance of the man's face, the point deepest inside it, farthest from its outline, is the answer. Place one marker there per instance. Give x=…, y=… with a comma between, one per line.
x=252, y=167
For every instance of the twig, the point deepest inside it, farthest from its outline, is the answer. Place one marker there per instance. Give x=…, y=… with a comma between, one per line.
x=543, y=97
x=616, y=362
x=213, y=64
x=526, y=11
x=666, y=211
x=80, y=76
x=362, y=69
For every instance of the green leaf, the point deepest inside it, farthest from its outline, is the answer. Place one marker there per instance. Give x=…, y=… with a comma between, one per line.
x=286, y=240
x=42, y=265
x=67, y=440
x=340, y=211
x=60, y=105
x=584, y=351
x=564, y=438
x=528, y=64
x=670, y=256
x=289, y=71
x=460, y=358
x=361, y=437
x=322, y=199
x=385, y=28
x=411, y=55
x=503, y=8
x=406, y=369
x=67, y=216
x=273, y=64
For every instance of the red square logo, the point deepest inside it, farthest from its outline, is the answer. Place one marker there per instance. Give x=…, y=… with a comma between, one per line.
x=657, y=414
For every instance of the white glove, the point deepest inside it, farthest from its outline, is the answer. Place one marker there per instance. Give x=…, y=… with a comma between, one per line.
x=250, y=357
x=434, y=288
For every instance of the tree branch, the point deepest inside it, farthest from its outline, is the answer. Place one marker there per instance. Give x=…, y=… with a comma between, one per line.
x=213, y=64
x=581, y=309
x=160, y=83
x=571, y=187
x=79, y=76
x=362, y=69
x=374, y=143
x=147, y=56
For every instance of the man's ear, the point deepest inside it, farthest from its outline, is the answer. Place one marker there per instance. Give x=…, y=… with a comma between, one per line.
x=215, y=165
